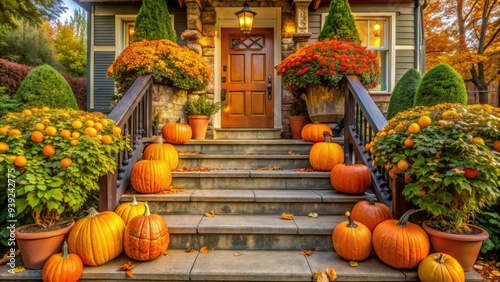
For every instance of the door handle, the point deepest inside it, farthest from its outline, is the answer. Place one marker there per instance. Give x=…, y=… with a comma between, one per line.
x=223, y=93
x=269, y=88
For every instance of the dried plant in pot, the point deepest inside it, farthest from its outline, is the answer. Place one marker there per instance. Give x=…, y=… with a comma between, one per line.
x=199, y=111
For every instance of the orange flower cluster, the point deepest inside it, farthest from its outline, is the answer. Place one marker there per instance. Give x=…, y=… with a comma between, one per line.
x=327, y=63
x=168, y=62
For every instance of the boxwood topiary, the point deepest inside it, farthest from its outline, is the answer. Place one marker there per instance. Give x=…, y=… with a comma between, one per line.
x=44, y=86
x=441, y=84
x=403, y=94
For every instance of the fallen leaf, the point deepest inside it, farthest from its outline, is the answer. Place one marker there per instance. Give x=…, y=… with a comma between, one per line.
x=304, y=169
x=166, y=253
x=332, y=275
x=4, y=259
x=353, y=263
x=496, y=273
x=127, y=266
x=306, y=252
x=210, y=214
x=288, y=216
x=316, y=274
x=293, y=153
x=172, y=190
x=476, y=266
x=188, y=153
x=189, y=250
x=183, y=169
x=322, y=277
x=237, y=254
x=19, y=269
x=204, y=250
x=270, y=168
x=312, y=214
x=130, y=274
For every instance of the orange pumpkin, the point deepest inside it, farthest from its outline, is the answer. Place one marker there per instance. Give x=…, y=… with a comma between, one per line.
x=401, y=244
x=151, y=176
x=371, y=213
x=160, y=151
x=63, y=267
x=351, y=179
x=314, y=132
x=146, y=236
x=439, y=267
x=177, y=133
x=97, y=238
x=325, y=155
x=127, y=211
x=352, y=240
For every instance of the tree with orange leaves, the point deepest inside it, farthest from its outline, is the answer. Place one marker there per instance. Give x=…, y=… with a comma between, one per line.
x=466, y=35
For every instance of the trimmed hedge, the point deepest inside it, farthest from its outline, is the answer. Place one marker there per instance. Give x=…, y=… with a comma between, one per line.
x=441, y=84
x=13, y=74
x=404, y=93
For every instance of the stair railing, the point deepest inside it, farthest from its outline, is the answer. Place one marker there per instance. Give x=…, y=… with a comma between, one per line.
x=134, y=115
x=363, y=120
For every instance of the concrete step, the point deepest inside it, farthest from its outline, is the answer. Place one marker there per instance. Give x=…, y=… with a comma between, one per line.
x=252, y=179
x=237, y=265
x=247, y=133
x=248, y=161
x=248, y=201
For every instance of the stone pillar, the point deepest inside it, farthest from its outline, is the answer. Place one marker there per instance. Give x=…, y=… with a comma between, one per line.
x=193, y=32
x=301, y=37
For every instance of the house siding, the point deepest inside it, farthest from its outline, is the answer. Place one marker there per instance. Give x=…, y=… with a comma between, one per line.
x=104, y=31
x=102, y=86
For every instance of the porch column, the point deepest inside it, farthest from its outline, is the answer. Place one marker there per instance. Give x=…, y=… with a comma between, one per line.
x=301, y=37
x=193, y=32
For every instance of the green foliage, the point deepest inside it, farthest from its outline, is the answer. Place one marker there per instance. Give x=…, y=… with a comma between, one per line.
x=489, y=220
x=153, y=22
x=441, y=84
x=202, y=106
x=33, y=12
x=404, y=93
x=71, y=51
x=44, y=188
x=28, y=45
x=339, y=23
x=7, y=104
x=438, y=159
x=44, y=86
x=298, y=107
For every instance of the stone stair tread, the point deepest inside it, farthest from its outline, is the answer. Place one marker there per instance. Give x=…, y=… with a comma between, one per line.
x=225, y=173
x=225, y=265
x=252, y=224
x=246, y=195
x=242, y=156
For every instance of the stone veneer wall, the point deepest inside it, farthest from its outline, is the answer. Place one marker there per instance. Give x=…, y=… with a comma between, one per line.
x=169, y=102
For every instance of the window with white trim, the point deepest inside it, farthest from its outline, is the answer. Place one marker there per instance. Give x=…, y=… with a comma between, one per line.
x=129, y=30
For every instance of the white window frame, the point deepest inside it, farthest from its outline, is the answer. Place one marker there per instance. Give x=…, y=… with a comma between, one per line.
x=390, y=31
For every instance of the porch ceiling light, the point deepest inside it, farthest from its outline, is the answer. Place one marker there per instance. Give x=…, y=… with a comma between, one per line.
x=245, y=18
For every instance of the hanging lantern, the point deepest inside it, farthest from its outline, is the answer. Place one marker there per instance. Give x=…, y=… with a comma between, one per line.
x=245, y=18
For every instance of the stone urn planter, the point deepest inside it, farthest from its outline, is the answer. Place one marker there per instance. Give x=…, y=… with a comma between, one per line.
x=325, y=104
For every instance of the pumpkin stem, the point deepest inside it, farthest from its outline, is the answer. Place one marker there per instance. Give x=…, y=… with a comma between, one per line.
x=178, y=120
x=151, y=157
x=146, y=212
x=328, y=136
x=351, y=223
x=157, y=140
x=440, y=258
x=370, y=198
x=134, y=202
x=92, y=212
x=65, y=249
x=404, y=218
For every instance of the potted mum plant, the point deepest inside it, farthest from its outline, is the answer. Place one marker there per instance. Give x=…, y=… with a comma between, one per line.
x=50, y=163
x=449, y=154
x=198, y=112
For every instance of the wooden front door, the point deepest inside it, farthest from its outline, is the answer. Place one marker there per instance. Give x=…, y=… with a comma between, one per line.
x=247, y=78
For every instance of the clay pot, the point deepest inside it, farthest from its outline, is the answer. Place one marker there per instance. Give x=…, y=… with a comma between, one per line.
x=296, y=125
x=36, y=248
x=199, y=125
x=462, y=247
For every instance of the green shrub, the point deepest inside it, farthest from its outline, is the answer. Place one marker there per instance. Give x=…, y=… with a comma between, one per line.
x=202, y=106
x=404, y=93
x=7, y=104
x=44, y=86
x=441, y=84
x=339, y=23
x=489, y=220
x=153, y=22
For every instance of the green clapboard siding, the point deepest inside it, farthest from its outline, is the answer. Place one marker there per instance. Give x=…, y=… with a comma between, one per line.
x=104, y=30
x=103, y=88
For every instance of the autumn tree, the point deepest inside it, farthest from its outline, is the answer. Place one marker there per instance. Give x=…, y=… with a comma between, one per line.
x=31, y=12
x=466, y=35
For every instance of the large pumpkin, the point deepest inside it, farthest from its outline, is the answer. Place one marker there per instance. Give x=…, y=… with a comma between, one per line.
x=314, y=132
x=401, y=244
x=62, y=267
x=350, y=179
x=371, y=213
x=151, y=176
x=352, y=240
x=146, y=236
x=127, y=211
x=160, y=151
x=97, y=238
x=325, y=155
x=177, y=133
x=439, y=267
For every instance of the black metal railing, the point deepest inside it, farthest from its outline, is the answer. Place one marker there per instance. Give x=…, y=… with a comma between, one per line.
x=134, y=115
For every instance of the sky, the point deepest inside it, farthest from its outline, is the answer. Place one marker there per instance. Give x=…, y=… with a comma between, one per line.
x=71, y=7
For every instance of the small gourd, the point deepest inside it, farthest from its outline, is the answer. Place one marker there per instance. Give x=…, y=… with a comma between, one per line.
x=352, y=240
x=127, y=211
x=62, y=267
x=313, y=132
x=439, y=267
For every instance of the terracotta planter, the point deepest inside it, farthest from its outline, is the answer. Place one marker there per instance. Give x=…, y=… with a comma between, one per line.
x=199, y=125
x=296, y=125
x=463, y=247
x=325, y=104
x=36, y=248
